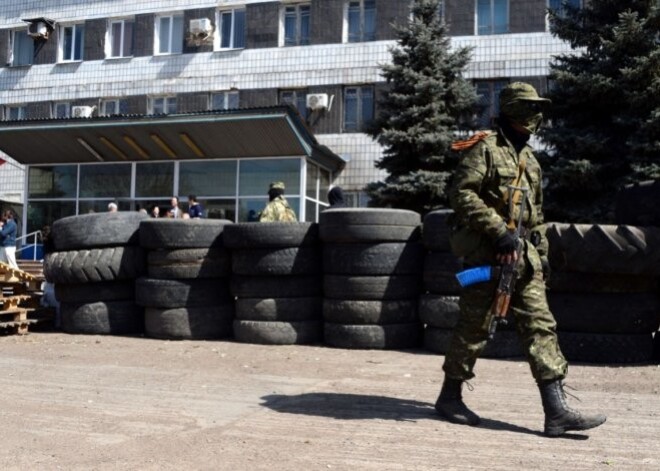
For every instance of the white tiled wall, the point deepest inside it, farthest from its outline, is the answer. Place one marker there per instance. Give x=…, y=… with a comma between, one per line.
x=500, y=56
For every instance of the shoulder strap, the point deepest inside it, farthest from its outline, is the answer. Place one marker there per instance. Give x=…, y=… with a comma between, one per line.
x=471, y=141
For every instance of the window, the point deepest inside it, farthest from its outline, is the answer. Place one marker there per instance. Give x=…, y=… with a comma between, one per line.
x=72, y=42
x=489, y=103
x=162, y=105
x=154, y=179
x=169, y=34
x=61, y=110
x=103, y=180
x=361, y=21
x=295, y=98
x=441, y=10
x=224, y=101
x=119, y=41
x=21, y=49
x=358, y=107
x=492, y=16
x=14, y=112
x=232, y=29
x=296, y=25
x=559, y=6
x=114, y=106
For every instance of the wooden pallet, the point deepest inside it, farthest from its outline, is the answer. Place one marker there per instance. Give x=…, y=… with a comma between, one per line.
x=20, y=293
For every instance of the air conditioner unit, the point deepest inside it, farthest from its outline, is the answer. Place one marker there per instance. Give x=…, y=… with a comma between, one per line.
x=38, y=30
x=317, y=101
x=201, y=28
x=82, y=111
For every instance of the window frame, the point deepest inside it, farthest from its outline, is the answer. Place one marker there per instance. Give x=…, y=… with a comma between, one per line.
x=299, y=96
x=171, y=43
x=67, y=113
x=21, y=110
x=494, y=87
x=62, y=38
x=361, y=122
x=109, y=38
x=218, y=40
x=167, y=103
x=226, y=94
x=492, y=25
x=298, y=40
x=104, y=104
x=11, y=49
x=363, y=35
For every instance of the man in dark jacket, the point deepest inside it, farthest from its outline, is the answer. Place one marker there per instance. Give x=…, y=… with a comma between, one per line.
x=8, y=236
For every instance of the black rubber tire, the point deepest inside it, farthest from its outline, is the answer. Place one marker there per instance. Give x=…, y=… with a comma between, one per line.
x=588, y=248
x=279, y=309
x=606, y=313
x=167, y=233
x=175, y=264
x=275, y=286
x=96, y=230
x=282, y=261
x=354, y=225
x=371, y=287
x=102, y=318
x=386, y=258
x=190, y=323
x=153, y=292
x=637, y=204
x=95, y=265
x=369, y=217
x=93, y=292
x=435, y=233
x=360, y=233
x=573, y=282
x=250, y=235
x=439, y=273
x=278, y=333
x=338, y=311
x=606, y=348
x=439, y=311
x=505, y=344
x=390, y=336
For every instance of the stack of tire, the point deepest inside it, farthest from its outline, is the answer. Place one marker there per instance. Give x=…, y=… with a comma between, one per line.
x=94, y=268
x=603, y=291
x=438, y=305
x=276, y=280
x=372, y=262
x=186, y=292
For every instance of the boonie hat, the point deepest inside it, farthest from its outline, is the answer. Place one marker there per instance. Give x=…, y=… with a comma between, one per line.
x=520, y=91
x=276, y=186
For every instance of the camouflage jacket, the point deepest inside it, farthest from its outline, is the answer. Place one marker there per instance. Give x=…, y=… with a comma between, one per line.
x=278, y=210
x=479, y=197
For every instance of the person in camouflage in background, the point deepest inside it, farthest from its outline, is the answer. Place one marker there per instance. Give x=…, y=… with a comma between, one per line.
x=278, y=208
x=479, y=233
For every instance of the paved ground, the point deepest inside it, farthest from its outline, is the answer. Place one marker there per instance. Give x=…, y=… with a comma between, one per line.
x=91, y=402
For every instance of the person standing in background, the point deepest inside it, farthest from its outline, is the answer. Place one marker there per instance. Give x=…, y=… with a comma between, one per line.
x=175, y=211
x=195, y=210
x=8, y=236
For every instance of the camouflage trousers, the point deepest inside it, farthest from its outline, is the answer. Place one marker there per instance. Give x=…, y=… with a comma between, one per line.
x=534, y=322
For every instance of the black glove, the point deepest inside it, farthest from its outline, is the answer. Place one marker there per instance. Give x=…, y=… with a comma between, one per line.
x=505, y=244
x=545, y=267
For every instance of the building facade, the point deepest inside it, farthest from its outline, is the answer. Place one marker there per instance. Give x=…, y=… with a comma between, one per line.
x=148, y=57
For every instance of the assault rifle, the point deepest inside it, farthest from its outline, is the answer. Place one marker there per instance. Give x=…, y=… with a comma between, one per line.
x=507, y=272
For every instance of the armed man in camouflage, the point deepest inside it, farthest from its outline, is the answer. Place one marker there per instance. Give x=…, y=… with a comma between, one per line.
x=479, y=233
x=278, y=208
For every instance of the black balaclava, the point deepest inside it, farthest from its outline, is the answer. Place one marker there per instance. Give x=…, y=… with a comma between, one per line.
x=336, y=197
x=274, y=193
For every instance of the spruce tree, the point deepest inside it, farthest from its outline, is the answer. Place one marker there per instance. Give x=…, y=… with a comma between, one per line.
x=420, y=111
x=605, y=116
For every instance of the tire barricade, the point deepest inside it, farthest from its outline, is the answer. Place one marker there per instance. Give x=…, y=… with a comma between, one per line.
x=186, y=291
x=361, y=278
x=94, y=268
x=276, y=280
x=603, y=291
x=372, y=261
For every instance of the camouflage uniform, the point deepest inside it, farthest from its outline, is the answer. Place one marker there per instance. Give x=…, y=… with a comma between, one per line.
x=278, y=210
x=479, y=198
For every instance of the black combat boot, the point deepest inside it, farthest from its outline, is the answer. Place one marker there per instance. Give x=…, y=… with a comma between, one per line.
x=560, y=418
x=450, y=404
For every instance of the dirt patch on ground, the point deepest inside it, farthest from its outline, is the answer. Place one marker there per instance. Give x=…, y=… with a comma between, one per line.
x=93, y=402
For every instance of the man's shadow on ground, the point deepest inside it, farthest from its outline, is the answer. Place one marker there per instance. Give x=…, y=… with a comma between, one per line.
x=361, y=407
